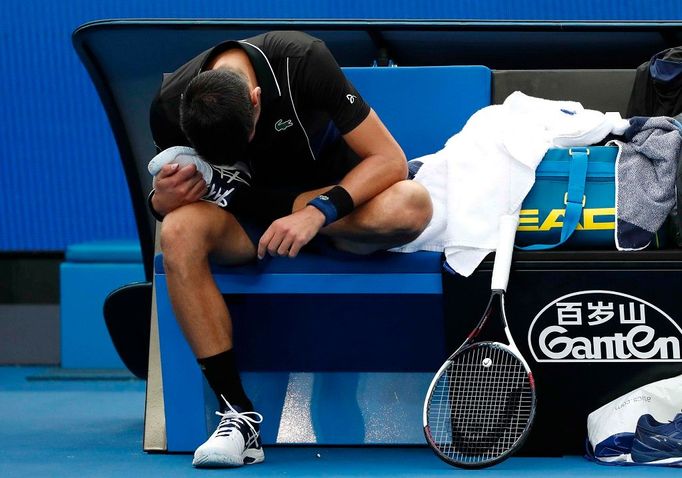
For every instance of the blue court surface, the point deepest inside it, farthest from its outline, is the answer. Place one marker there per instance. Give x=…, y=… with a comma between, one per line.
x=59, y=426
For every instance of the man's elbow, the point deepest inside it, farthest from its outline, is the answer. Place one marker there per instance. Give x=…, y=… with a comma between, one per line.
x=398, y=166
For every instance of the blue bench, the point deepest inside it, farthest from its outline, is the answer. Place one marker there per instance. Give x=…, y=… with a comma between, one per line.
x=422, y=107
x=369, y=355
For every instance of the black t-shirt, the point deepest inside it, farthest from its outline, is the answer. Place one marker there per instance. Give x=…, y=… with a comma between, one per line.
x=307, y=103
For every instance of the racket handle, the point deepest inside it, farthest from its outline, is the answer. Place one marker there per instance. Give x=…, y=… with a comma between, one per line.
x=503, y=254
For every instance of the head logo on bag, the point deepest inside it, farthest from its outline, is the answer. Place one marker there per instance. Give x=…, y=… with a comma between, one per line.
x=603, y=326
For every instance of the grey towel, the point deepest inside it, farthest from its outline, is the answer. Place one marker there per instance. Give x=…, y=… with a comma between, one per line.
x=645, y=179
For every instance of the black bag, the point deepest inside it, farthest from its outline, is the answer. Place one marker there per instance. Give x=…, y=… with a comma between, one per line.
x=655, y=94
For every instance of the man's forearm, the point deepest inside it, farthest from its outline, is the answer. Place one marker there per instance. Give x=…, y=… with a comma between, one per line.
x=372, y=176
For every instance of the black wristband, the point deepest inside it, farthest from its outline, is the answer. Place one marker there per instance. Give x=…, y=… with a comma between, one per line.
x=341, y=200
x=334, y=204
x=154, y=212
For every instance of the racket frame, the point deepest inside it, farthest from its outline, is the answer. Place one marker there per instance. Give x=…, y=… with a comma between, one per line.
x=500, y=277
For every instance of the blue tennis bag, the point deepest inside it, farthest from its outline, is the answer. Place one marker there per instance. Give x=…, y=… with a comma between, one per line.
x=572, y=201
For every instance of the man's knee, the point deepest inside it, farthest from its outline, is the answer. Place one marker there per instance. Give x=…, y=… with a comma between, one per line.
x=401, y=213
x=411, y=207
x=193, y=233
x=184, y=235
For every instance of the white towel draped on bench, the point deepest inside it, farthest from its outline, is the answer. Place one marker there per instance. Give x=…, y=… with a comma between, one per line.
x=486, y=170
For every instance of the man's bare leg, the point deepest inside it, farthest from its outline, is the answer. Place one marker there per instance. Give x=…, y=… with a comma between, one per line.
x=394, y=217
x=189, y=236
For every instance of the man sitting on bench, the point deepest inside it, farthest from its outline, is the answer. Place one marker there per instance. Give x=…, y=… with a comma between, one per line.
x=321, y=162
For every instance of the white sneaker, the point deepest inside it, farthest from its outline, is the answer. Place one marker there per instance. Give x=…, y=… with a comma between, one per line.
x=235, y=442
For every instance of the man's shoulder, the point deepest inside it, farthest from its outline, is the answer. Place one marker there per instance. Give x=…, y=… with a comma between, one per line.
x=284, y=43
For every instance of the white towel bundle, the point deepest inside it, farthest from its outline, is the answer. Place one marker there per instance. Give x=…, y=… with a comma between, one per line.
x=221, y=181
x=184, y=155
x=486, y=170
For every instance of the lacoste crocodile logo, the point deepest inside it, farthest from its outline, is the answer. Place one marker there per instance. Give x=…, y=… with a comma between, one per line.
x=281, y=125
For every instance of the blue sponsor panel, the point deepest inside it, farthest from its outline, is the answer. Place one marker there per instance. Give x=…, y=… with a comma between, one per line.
x=62, y=182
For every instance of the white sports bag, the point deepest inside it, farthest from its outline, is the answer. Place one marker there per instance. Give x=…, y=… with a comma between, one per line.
x=611, y=428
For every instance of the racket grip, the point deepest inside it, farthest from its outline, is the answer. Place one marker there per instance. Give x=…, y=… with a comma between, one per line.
x=503, y=254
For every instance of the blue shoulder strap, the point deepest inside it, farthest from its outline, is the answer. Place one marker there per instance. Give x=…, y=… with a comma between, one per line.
x=574, y=198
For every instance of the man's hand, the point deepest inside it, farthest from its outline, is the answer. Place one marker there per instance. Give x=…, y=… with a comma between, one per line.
x=176, y=186
x=287, y=235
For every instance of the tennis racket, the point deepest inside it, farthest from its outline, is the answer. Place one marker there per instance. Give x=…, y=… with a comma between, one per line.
x=481, y=403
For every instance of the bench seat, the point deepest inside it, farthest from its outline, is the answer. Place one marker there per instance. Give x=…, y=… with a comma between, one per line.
x=332, y=273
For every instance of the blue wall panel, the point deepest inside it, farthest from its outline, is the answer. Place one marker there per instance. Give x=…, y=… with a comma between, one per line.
x=60, y=177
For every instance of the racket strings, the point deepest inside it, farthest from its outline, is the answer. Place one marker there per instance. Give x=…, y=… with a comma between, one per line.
x=481, y=405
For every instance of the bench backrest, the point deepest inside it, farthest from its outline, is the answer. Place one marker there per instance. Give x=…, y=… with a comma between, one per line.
x=601, y=90
x=126, y=60
x=423, y=106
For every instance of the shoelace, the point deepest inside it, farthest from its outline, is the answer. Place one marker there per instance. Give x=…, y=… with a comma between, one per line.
x=216, y=193
x=218, y=196
x=231, y=418
x=230, y=172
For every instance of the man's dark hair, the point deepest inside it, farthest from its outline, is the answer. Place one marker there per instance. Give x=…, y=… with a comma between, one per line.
x=217, y=116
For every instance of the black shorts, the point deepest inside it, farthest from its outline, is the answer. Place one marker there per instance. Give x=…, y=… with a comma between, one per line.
x=337, y=161
x=279, y=188
x=254, y=230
